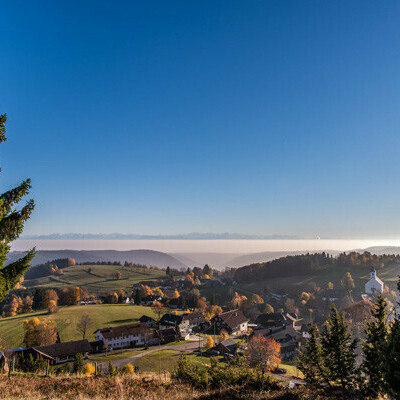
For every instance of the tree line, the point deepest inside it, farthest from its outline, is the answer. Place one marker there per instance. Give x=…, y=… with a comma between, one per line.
x=310, y=263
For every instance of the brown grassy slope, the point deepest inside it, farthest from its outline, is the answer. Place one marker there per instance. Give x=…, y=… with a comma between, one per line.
x=132, y=387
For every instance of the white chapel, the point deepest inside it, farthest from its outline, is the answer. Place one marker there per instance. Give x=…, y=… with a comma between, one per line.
x=374, y=285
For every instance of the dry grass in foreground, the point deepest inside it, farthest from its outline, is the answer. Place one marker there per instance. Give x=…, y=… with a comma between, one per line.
x=134, y=387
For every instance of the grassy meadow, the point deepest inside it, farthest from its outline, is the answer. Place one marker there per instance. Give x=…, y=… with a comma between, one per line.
x=11, y=328
x=98, y=279
x=167, y=359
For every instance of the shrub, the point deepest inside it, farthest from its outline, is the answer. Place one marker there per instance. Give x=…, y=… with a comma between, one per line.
x=128, y=369
x=236, y=374
x=89, y=369
x=30, y=363
x=110, y=370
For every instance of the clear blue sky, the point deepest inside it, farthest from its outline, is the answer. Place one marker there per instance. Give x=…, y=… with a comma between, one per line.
x=268, y=117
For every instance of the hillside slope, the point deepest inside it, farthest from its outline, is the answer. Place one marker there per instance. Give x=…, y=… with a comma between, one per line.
x=98, y=279
x=146, y=257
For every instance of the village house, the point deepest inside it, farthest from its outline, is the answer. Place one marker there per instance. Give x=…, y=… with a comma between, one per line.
x=269, y=320
x=59, y=353
x=185, y=323
x=234, y=322
x=195, y=320
x=227, y=346
x=175, y=321
x=287, y=336
x=121, y=337
x=150, y=322
x=150, y=299
x=167, y=335
x=98, y=346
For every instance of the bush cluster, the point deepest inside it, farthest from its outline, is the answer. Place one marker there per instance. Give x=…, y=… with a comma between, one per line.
x=236, y=373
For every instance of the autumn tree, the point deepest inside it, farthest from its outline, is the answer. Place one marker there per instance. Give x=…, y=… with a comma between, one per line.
x=263, y=352
x=237, y=300
x=11, y=226
x=71, y=296
x=175, y=294
x=145, y=290
x=51, y=295
x=113, y=298
x=209, y=342
x=223, y=335
x=27, y=304
x=158, y=310
x=158, y=292
x=52, y=307
x=268, y=309
x=347, y=282
x=121, y=295
x=118, y=275
x=13, y=307
x=39, y=332
x=211, y=312
x=189, y=280
x=256, y=299
x=84, y=325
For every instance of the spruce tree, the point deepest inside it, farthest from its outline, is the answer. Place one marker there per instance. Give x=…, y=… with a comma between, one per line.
x=138, y=298
x=339, y=351
x=11, y=226
x=392, y=365
x=374, y=348
x=311, y=362
x=78, y=365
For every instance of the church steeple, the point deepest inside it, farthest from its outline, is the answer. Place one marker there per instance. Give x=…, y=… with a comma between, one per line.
x=373, y=273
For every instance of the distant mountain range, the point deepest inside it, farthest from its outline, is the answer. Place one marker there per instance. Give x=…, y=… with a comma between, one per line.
x=177, y=260
x=134, y=236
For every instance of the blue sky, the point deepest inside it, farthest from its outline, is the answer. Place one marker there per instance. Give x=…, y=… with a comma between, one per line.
x=261, y=117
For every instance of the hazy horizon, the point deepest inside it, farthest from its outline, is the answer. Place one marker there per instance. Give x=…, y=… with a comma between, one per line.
x=200, y=246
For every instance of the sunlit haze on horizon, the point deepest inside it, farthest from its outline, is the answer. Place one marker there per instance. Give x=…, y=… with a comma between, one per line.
x=213, y=246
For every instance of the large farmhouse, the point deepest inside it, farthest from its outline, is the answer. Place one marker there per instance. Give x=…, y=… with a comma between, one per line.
x=121, y=337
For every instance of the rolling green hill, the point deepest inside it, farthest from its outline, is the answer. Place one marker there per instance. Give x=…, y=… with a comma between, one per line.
x=11, y=328
x=98, y=279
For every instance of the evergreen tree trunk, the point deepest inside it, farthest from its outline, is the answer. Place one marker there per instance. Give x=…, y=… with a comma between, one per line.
x=11, y=226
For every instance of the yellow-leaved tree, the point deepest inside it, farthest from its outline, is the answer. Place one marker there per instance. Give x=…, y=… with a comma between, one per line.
x=39, y=332
x=209, y=342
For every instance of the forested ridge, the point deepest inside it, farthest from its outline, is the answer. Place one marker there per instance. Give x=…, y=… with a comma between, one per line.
x=311, y=263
